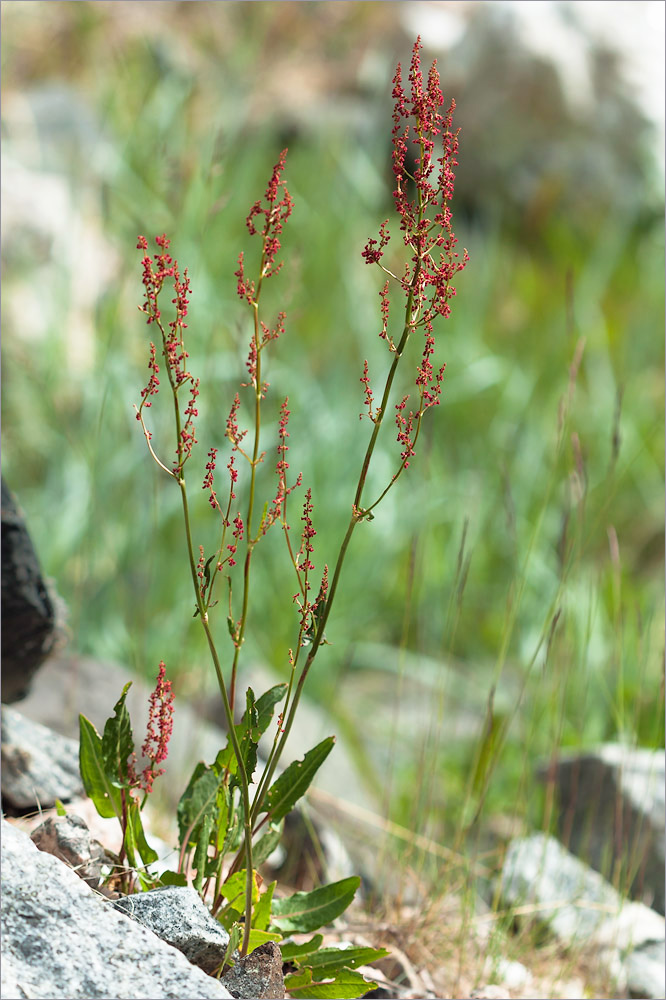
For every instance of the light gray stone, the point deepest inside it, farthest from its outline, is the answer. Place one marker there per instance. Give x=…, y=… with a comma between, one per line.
x=611, y=810
x=38, y=765
x=258, y=976
x=178, y=916
x=60, y=939
x=579, y=907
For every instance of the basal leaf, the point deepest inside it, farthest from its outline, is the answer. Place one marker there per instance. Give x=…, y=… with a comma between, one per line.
x=258, y=937
x=266, y=844
x=330, y=961
x=261, y=913
x=98, y=785
x=146, y=852
x=295, y=781
x=347, y=984
x=198, y=800
x=306, y=911
x=173, y=878
x=118, y=742
x=298, y=952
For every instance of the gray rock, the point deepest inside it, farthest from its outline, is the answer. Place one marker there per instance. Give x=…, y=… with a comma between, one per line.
x=579, y=906
x=68, y=838
x=178, y=916
x=60, y=939
x=611, y=811
x=258, y=976
x=38, y=765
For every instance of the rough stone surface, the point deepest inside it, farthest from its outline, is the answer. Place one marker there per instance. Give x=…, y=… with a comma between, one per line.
x=611, y=810
x=60, y=939
x=28, y=611
x=579, y=907
x=178, y=916
x=257, y=976
x=38, y=765
x=68, y=838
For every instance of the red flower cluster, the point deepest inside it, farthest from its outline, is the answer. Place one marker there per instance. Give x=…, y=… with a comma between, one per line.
x=275, y=213
x=422, y=202
x=160, y=727
x=156, y=271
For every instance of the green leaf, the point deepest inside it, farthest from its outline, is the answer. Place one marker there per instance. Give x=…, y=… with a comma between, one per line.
x=266, y=844
x=60, y=809
x=266, y=703
x=297, y=952
x=118, y=742
x=234, y=889
x=146, y=852
x=258, y=937
x=347, y=984
x=173, y=878
x=197, y=801
x=261, y=913
x=295, y=781
x=235, y=934
x=200, y=858
x=98, y=786
x=329, y=961
x=306, y=911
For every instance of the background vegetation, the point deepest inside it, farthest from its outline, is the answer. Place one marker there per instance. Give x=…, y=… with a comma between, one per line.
x=507, y=600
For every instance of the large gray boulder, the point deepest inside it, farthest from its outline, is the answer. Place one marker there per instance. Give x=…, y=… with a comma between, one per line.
x=60, y=939
x=581, y=908
x=38, y=765
x=611, y=813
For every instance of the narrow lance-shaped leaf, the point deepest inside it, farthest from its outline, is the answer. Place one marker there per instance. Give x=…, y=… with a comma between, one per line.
x=118, y=742
x=198, y=799
x=346, y=986
x=295, y=781
x=98, y=785
x=306, y=911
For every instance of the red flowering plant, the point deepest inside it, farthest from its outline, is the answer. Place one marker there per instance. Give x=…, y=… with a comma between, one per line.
x=222, y=814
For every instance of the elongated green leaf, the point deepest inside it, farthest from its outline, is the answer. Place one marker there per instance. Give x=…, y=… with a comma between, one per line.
x=198, y=800
x=258, y=937
x=295, y=781
x=98, y=786
x=261, y=913
x=330, y=961
x=173, y=878
x=298, y=952
x=306, y=911
x=266, y=704
x=265, y=846
x=118, y=742
x=146, y=852
x=347, y=984
x=200, y=858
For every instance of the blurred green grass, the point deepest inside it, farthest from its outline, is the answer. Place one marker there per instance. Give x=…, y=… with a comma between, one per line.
x=534, y=604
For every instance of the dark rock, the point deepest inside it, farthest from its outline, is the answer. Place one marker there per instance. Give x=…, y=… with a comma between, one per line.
x=28, y=609
x=61, y=939
x=258, y=976
x=611, y=813
x=38, y=765
x=178, y=916
x=68, y=838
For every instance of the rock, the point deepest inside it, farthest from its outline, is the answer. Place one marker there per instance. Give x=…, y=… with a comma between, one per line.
x=178, y=916
x=28, y=609
x=60, y=939
x=38, y=765
x=258, y=976
x=490, y=992
x=580, y=907
x=611, y=810
x=68, y=838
